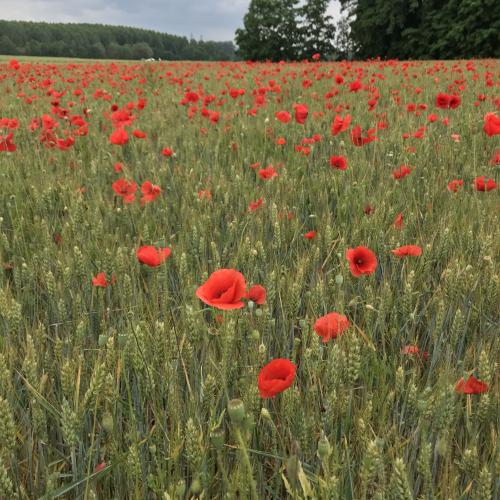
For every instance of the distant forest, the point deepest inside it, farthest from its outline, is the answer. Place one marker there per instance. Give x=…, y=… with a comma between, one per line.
x=97, y=41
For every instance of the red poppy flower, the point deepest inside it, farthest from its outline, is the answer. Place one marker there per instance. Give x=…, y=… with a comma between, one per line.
x=401, y=172
x=139, y=134
x=254, y=205
x=301, y=112
x=331, y=326
x=204, y=194
x=361, y=261
x=125, y=189
x=368, y=210
x=119, y=137
x=275, y=377
x=454, y=185
x=357, y=136
x=471, y=386
x=118, y=167
x=152, y=256
x=340, y=124
x=167, y=152
x=100, y=280
x=491, y=124
x=310, y=235
x=398, y=221
x=338, y=162
x=6, y=143
x=150, y=192
x=224, y=289
x=406, y=250
x=257, y=294
x=267, y=173
x=283, y=116
x=484, y=184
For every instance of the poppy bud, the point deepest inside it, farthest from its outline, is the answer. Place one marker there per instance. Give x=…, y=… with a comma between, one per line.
x=258, y=313
x=339, y=279
x=107, y=422
x=324, y=448
x=236, y=410
x=255, y=335
x=217, y=439
x=180, y=489
x=250, y=304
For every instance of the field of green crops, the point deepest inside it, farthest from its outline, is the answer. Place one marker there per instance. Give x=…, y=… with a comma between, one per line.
x=174, y=238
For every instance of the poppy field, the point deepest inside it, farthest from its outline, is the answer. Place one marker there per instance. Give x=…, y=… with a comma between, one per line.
x=242, y=280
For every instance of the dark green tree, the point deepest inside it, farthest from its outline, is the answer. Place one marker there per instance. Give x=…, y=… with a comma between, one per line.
x=270, y=31
x=317, y=29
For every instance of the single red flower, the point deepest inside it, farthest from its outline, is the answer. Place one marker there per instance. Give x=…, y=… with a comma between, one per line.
x=125, y=189
x=257, y=294
x=149, y=191
x=283, y=116
x=167, y=152
x=254, y=205
x=406, y=250
x=491, y=124
x=398, y=221
x=310, y=235
x=338, y=162
x=484, y=184
x=401, y=172
x=224, y=289
x=471, y=386
x=100, y=280
x=119, y=137
x=454, y=185
x=331, y=326
x=340, y=124
x=357, y=136
x=152, y=256
x=301, y=112
x=267, y=173
x=139, y=134
x=361, y=261
x=275, y=377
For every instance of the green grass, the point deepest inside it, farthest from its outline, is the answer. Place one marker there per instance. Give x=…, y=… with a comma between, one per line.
x=138, y=376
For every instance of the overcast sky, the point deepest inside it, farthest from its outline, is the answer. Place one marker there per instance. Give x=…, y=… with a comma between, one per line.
x=211, y=19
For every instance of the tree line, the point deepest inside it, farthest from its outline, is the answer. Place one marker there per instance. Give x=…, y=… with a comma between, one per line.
x=403, y=29
x=98, y=41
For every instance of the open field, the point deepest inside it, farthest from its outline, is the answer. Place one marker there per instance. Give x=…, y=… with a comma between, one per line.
x=365, y=189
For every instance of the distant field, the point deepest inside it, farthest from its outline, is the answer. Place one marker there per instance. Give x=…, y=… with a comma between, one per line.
x=239, y=280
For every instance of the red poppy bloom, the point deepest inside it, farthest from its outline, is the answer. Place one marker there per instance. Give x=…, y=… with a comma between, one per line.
x=338, y=162
x=357, y=136
x=150, y=192
x=125, y=189
x=118, y=167
x=119, y=137
x=204, y=194
x=224, y=289
x=301, y=113
x=491, y=124
x=100, y=280
x=484, y=184
x=152, y=256
x=275, y=377
x=398, y=221
x=401, y=172
x=283, y=116
x=6, y=143
x=167, y=152
x=331, y=326
x=139, y=134
x=257, y=294
x=310, y=235
x=267, y=173
x=361, y=261
x=454, y=185
x=471, y=386
x=254, y=205
x=406, y=250
x=340, y=124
